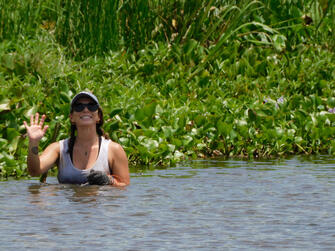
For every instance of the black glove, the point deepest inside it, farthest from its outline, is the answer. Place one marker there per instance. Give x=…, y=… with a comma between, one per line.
x=98, y=178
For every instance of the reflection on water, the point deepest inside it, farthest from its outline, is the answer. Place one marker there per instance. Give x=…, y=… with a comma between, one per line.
x=83, y=194
x=205, y=205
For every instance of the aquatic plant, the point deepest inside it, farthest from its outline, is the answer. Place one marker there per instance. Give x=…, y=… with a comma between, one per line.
x=215, y=79
x=95, y=27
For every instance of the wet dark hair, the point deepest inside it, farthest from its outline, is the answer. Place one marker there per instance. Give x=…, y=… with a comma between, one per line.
x=99, y=130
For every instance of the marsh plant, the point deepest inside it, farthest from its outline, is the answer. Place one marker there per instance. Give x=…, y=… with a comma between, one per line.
x=177, y=79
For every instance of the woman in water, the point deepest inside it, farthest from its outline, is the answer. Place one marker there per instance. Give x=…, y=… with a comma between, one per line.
x=88, y=156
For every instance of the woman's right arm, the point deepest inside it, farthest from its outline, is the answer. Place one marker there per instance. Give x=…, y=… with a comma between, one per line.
x=39, y=164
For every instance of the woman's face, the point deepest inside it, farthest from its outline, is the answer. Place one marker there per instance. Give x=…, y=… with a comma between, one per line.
x=84, y=117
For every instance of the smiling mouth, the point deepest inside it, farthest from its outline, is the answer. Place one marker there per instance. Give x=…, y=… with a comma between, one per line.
x=86, y=117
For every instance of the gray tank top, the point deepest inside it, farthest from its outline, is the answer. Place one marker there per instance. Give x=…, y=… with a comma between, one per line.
x=68, y=173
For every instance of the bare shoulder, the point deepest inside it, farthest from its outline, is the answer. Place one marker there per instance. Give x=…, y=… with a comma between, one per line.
x=115, y=147
x=116, y=154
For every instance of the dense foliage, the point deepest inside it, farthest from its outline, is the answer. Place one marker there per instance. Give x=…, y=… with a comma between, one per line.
x=176, y=79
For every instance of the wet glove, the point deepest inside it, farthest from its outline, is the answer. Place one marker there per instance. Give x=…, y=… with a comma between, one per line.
x=98, y=178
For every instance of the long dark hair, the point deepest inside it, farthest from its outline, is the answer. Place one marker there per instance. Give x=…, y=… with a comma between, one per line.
x=99, y=129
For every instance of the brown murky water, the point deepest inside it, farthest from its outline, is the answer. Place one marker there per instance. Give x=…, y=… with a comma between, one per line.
x=199, y=205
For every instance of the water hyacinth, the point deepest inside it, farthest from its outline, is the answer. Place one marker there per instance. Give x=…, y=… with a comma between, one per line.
x=177, y=79
x=280, y=100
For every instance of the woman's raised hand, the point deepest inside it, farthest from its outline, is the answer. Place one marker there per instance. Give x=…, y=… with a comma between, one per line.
x=36, y=131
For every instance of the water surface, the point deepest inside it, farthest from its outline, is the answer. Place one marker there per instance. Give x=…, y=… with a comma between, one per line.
x=198, y=205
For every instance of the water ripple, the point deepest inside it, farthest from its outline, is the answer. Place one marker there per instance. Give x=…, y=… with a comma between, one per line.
x=199, y=205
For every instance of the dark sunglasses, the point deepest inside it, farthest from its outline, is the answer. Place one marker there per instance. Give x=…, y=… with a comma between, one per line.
x=78, y=107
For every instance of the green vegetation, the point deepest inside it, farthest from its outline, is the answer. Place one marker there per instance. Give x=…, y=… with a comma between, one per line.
x=177, y=79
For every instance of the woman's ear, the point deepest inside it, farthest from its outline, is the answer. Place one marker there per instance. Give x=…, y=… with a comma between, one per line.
x=99, y=117
x=70, y=116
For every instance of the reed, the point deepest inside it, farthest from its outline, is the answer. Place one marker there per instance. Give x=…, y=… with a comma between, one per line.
x=90, y=27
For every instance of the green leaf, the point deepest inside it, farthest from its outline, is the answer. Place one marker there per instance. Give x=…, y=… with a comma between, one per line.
x=140, y=114
x=4, y=105
x=171, y=147
x=114, y=126
x=233, y=134
x=279, y=42
x=200, y=120
x=31, y=111
x=177, y=142
x=65, y=97
x=168, y=131
x=12, y=133
x=149, y=109
x=181, y=121
x=223, y=128
x=7, y=61
x=203, y=81
x=115, y=112
x=331, y=102
x=3, y=142
x=187, y=139
x=150, y=144
x=189, y=46
x=147, y=122
x=252, y=115
x=13, y=144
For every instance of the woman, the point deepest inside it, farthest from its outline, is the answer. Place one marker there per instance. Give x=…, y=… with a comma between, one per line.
x=87, y=156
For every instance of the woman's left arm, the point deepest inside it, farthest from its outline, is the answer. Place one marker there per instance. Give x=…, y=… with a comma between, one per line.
x=118, y=163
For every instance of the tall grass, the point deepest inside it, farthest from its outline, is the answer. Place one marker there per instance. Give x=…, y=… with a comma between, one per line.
x=88, y=27
x=19, y=18
x=93, y=27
